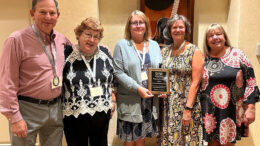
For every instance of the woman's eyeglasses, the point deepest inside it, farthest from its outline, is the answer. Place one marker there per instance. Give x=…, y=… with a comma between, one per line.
x=137, y=23
x=89, y=36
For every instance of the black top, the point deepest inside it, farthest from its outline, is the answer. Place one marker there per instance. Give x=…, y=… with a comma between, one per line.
x=77, y=81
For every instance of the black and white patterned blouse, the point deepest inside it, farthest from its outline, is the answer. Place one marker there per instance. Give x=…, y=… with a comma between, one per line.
x=77, y=81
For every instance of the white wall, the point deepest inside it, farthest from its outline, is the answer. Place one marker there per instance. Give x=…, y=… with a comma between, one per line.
x=113, y=15
x=72, y=12
x=205, y=13
x=249, y=36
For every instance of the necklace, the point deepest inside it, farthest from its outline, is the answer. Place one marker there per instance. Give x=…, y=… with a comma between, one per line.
x=169, y=63
x=220, y=53
x=142, y=60
x=180, y=47
x=90, y=56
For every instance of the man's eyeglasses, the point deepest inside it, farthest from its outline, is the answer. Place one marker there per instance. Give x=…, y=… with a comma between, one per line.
x=137, y=23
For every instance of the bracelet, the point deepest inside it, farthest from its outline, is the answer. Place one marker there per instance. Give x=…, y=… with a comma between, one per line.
x=113, y=101
x=114, y=89
x=251, y=109
x=188, y=108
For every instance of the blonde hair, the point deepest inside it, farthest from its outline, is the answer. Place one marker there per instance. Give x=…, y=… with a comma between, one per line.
x=147, y=33
x=89, y=23
x=212, y=27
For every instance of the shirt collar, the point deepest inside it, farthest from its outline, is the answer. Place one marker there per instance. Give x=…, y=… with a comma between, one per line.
x=46, y=38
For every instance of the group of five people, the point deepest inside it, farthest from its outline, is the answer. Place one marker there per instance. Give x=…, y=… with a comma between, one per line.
x=212, y=95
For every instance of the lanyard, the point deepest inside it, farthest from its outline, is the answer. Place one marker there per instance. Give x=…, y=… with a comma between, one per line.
x=93, y=73
x=52, y=61
x=139, y=55
x=169, y=63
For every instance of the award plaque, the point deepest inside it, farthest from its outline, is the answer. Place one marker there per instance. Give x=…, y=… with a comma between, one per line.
x=158, y=81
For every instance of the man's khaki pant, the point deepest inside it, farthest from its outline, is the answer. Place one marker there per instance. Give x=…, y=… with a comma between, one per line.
x=45, y=120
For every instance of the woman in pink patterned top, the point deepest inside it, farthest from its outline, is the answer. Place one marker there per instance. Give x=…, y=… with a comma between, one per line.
x=229, y=91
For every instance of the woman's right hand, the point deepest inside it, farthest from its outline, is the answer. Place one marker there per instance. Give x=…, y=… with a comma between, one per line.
x=144, y=93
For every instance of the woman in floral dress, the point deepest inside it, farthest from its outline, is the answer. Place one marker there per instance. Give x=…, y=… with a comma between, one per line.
x=229, y=91
x=181, y=123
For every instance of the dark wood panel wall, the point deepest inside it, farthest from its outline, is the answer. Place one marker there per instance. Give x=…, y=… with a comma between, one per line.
x=186, y=8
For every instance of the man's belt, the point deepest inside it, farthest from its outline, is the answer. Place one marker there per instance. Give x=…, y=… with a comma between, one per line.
x=38, y=101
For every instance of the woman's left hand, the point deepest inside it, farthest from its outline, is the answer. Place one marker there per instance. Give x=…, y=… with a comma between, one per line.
x=162, y=96
x=113, y=108
x=186, y=117
x=249, y=116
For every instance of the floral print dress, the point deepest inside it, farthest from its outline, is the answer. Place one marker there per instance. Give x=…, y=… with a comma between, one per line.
x=171, y=130
x=228, y=85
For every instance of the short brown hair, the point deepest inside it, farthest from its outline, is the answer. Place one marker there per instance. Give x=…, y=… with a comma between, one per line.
x=172, y=20
x=89, y=23
x=147, y=33
x=211, y=27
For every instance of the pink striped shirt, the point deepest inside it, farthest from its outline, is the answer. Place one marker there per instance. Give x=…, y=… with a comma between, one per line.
x=25, y=70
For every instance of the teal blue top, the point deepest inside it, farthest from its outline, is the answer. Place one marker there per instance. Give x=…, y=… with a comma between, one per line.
x=127, y=67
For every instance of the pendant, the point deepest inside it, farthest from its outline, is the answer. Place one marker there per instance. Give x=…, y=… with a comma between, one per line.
x=56, y=81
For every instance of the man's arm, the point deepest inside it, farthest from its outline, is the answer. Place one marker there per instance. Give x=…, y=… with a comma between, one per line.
x=9, y=73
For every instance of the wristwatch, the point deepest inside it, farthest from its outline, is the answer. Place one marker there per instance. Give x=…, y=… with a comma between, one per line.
x=114, y=89
x=188, y=108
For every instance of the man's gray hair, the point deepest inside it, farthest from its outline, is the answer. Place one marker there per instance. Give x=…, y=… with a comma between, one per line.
x=34, y=2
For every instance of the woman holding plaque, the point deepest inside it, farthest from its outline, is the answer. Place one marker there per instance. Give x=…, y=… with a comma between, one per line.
x=229, y=90
x=181, y=123
x=136, y=105
x=88, y=80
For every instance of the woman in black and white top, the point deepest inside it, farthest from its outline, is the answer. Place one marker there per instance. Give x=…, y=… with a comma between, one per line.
x=88, y=80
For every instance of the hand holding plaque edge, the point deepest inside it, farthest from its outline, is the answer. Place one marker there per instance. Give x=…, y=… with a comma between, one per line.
x=144, y=93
